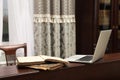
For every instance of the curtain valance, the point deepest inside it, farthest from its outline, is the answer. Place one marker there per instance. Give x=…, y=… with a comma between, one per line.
x=39, y=18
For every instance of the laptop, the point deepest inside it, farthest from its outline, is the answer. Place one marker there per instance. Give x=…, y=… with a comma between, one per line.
x=99, y=50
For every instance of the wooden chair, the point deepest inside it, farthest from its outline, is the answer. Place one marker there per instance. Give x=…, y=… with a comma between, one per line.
x=10, y=52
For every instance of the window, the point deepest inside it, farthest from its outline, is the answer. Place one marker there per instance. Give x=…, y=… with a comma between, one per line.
x=5, y=21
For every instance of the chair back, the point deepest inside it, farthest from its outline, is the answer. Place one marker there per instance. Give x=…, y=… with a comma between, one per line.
x=10, y=52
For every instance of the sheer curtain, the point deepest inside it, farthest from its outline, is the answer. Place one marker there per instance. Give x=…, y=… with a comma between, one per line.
x=20, y=14
x=1, y=20
x=54, y=29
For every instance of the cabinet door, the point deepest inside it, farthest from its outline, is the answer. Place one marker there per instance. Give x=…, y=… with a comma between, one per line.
x=85, y=14
x=109, y=18
x=105, y=19
x=116, y=27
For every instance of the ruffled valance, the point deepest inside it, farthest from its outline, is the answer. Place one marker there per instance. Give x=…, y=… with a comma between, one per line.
x=40, y=18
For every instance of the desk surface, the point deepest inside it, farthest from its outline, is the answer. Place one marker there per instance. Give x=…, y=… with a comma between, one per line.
x=106, y=68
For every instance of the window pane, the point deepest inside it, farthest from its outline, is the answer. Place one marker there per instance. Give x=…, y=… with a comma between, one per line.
x=5, y=21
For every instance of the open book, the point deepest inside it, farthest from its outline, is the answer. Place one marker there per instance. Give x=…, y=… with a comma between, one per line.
x=41, y=59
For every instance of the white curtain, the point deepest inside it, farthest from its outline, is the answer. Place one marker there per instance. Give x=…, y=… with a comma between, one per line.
x=54, y=29
x=1, y=20
x=20, y=14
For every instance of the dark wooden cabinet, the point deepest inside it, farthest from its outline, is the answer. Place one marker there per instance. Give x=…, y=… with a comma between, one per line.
x=85, y=26
x=93, y=16
x=116, y=25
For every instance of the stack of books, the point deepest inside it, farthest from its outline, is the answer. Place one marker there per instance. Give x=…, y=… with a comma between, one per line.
x=42, y=62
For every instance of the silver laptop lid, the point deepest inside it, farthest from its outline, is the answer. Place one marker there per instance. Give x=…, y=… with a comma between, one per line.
x=101, y=44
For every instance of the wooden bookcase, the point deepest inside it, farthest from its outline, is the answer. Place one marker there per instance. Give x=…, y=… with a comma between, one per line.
x=93, y=16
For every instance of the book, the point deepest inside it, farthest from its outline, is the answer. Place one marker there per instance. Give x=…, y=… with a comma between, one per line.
x=52, y=66
x=41, y=59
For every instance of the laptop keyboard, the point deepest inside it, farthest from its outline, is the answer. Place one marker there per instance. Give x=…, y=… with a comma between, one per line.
x=86, y=58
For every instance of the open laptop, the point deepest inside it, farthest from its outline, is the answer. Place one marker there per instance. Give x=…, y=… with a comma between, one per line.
x=99, y=50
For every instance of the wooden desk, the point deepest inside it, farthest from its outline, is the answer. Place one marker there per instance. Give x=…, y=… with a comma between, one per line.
x=106, y=68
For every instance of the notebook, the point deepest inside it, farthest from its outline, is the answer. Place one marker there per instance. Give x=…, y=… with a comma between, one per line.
x=99, y=50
